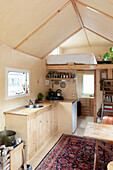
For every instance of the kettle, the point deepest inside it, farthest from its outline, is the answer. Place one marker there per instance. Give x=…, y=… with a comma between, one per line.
x=58, y=92
x=51, y=93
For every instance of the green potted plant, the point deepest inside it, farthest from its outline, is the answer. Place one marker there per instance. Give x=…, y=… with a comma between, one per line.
x=40, y=98
x=108, y=56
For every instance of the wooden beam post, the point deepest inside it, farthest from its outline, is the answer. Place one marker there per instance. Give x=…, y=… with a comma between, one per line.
x=109, y=73
x=95, y=98
x=80, y=19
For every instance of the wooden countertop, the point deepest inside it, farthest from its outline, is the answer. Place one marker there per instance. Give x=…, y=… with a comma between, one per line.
x=28, y=111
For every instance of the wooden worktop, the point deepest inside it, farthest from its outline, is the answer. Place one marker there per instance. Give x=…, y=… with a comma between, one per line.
x=28, y=111
x=99, y=131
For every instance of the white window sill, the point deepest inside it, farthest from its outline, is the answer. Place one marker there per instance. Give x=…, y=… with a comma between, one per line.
x=17, y=96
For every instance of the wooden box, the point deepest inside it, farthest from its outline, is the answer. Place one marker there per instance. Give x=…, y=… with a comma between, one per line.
x=16, y=157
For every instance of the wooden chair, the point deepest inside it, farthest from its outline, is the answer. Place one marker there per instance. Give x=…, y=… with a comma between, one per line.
x=108, y=120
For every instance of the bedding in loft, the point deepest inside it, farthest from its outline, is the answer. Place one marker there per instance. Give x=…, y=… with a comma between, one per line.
x=77, y=58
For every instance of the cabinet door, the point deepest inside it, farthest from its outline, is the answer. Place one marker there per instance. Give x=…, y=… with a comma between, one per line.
x=49, y=120
x=40, y=128
x=31, y=137
x=56, y=118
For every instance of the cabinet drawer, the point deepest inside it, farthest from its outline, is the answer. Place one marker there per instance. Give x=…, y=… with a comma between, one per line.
x=86, y=113
x=85, y=102
x=85, y=108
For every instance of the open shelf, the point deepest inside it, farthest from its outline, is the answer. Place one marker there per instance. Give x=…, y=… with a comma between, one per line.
x=108, y=103
x=60, y=78
x=109, y=94
x=108, y=111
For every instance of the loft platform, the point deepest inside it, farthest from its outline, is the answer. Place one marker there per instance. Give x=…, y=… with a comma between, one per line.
x=79, y=67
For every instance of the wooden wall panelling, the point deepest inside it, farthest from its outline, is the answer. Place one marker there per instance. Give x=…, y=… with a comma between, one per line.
x=80, y=19
x=52, y=31
x=97, y=40
x=96, y=21
x=77, y=40
x=59, y=44
x=18, y=25
x=43, y=24
x=100, y=6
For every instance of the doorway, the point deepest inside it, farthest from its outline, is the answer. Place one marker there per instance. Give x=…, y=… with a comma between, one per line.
x=86, y=96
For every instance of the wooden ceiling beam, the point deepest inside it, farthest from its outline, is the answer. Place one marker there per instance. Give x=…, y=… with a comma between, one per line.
x=94, y=9
x=62, y=42
x=80, y=19
x=28, y=53
x=43, y=24
x=98, y=34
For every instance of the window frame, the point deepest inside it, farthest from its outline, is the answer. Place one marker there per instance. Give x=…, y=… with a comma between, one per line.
x=9, y=69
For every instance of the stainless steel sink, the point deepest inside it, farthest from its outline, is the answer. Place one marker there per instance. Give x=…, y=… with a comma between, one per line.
x=34, y=106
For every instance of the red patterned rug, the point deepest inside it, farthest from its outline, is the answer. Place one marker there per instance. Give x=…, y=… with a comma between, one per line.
x=72, y=152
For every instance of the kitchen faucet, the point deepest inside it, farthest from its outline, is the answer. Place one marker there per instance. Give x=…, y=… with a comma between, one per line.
x=30, y=102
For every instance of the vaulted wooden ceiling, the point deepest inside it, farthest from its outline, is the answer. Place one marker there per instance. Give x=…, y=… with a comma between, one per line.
x=37, y=27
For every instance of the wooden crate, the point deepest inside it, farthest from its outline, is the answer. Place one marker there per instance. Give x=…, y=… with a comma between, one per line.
x=5, y=162
x=16, y=157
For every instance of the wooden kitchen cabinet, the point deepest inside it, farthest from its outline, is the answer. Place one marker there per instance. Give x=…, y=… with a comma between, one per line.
x=44, y=125
x=35, y=129
x=87, y=106
x=65, y=117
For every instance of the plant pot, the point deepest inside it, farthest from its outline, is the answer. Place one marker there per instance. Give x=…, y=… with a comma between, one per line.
x=6, y=137
x=104, y=62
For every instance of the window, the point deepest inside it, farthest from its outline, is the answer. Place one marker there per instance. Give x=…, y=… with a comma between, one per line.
x=56, y=51
x=88, y=84
x=17, y=83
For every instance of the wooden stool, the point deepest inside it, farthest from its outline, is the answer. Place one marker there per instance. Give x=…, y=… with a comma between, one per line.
x=110, y=166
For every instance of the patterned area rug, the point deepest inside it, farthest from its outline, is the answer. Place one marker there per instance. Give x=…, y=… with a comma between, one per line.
x=71, y=152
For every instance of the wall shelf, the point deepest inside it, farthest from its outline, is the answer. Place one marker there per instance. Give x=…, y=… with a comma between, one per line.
x=60, y=78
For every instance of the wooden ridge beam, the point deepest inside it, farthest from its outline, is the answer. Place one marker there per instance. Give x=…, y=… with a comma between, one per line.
x=43, y=24
x=62, y=42
x=80, y=19
x=80, y=67
x=94, y=9
x=98, y=34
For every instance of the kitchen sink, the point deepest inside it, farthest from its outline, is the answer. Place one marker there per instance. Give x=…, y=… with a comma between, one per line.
x=34, y=106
